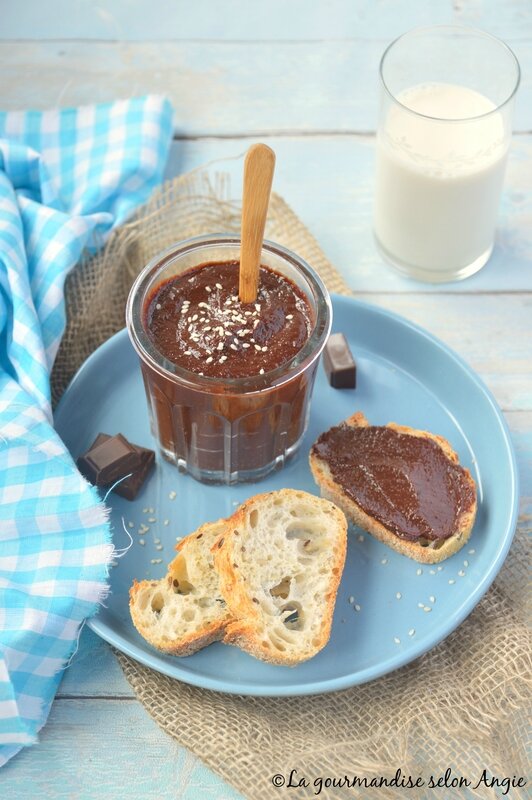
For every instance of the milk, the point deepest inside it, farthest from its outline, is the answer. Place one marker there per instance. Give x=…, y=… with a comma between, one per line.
x=439, y=182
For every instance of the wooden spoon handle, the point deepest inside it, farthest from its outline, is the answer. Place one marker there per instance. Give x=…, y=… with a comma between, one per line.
x=258, y=176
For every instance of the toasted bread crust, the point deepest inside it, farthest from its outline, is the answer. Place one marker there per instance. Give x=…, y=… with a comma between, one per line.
x=244, y=628
x=424, y=554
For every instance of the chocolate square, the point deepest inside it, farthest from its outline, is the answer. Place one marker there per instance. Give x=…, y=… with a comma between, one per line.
x=339, y=363
x=130, y=486
x=109, y=460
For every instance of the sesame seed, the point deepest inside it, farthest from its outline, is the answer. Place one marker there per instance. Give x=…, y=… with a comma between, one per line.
x=209, y=360
x=360, y=538
x=172, y=495
x=398, y=595
x=471, y=552
x=220, y=346
x=357, y=607
x=208, y=289
x=289, y=316
x=156, y=560
x=264, y=349
x=159, y=547
x=351, y=599
x=396, y=640
x=466, y=563
x=131, y=524
x=258, y=347
x=411, y=632
x=384, y=560
x=432, y=598
x=461, y=573
x=233, y=347
x=427, y=608
x=156, y=541
x=419, y=572
x=261, y=372
x=152, y=519
x=255, y=323
x=248, y=313
x=158, y=306
x=203, y=305
x=200, y=373
x=188, y=352
x=432, y=571
x=142, y=542
x=451, y=582
x=144, y=510
x=246, y=345
x=222, y=359
x=166, y=522
x=439, y=569
x=421, y=605
x=218, y=285
x=257, y=306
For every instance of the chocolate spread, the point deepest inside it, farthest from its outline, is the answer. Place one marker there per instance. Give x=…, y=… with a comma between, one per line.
x=405, y=482
x=197, y=321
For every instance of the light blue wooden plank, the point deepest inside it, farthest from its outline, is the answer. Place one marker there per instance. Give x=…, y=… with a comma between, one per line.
x=134, y=20
x=220, y=89
x=329, y=183
x=111, y=750
x=94, y=671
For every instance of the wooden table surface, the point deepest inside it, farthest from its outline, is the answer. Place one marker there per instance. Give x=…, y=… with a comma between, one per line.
x=302, y=76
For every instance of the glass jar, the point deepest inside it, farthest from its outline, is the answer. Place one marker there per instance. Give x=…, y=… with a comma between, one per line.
x=227, y=430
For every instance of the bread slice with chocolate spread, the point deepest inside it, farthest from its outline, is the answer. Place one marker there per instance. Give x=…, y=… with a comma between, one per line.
x=399, y=503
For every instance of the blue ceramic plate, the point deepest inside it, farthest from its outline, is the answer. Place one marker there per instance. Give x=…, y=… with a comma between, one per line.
x=381, y=619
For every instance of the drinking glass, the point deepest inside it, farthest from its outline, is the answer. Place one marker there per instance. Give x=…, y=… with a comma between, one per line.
x=447, y=97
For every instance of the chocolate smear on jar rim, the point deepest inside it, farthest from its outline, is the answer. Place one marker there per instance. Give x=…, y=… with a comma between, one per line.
x=196, y=321
x=406, y=482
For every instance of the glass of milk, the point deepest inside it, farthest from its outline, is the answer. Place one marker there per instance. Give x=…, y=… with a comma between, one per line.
x=447, y=97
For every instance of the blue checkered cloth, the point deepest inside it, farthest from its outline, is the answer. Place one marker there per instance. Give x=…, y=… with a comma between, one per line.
x=67, y=177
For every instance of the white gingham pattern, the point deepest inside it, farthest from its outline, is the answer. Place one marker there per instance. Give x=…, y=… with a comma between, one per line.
x=67, y=177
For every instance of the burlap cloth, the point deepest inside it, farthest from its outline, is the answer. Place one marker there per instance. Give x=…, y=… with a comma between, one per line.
x=465, y=705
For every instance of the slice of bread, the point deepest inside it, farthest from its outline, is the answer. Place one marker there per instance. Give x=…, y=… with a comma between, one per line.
x=280, y=560
x=184, y=611
x=424, y=550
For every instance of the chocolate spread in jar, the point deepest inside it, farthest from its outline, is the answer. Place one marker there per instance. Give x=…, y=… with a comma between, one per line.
x=405, y=482
x=197, y=321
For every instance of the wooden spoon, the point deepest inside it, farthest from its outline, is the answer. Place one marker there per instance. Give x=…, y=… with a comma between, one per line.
x=258, y=176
